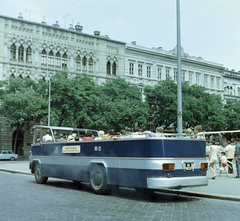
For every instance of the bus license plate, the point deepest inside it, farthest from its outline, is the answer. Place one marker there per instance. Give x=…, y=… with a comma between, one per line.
x=188, y=166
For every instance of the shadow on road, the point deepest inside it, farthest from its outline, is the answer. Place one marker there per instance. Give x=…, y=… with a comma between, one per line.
x=123, y=192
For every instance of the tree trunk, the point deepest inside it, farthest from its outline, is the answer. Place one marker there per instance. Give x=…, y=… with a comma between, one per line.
x=15, y=140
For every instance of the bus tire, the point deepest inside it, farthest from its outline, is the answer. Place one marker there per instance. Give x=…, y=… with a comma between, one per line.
x=98, y=179
x=37, y=173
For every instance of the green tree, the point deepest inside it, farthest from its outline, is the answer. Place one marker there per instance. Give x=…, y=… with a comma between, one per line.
x=21, y=103
x=70, y=99
x=198, y=106
x=165, y=101
x=119, y=105
x=231, y=113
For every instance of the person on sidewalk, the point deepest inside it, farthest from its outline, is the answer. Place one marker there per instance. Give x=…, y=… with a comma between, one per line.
x=230, y=155
x=223, y=163
x=237, y=157
x=213, y=158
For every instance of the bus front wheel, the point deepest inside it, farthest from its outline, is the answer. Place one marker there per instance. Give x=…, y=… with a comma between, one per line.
x=38, y=176
x=98, y=180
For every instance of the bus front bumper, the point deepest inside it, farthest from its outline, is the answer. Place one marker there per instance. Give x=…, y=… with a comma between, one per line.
x=176, y=182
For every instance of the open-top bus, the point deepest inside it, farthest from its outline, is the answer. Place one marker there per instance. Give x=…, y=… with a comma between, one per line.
x=142, y=163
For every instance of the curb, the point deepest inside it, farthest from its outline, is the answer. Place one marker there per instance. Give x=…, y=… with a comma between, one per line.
x=15, y=171
x=203, y=195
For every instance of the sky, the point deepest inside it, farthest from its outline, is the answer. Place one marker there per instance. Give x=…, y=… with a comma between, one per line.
x=209, y=28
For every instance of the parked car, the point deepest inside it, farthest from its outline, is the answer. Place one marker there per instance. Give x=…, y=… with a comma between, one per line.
x=7, y=155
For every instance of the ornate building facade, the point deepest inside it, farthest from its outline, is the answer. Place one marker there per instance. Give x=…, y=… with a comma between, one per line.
x=30, y=49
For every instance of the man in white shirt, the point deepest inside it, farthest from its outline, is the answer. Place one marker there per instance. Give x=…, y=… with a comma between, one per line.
x=47, y=137
x=230, y=149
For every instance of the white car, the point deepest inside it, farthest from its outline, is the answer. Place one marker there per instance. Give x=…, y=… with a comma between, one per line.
x=7, y=155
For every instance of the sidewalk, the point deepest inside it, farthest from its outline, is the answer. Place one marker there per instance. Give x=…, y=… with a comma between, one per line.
x=223, y=187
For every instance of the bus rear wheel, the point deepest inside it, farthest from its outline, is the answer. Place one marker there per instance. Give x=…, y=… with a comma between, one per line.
x=98, y=180
x=38, y=176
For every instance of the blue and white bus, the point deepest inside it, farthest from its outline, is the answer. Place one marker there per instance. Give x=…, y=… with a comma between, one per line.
x=142, y=163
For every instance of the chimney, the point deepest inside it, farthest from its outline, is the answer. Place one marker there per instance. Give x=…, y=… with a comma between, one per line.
x=97, y=33
x=134, y=43
x=44, y=20
x=57, y=24
x=20, y=16
x=71, y=27
x=78, y=27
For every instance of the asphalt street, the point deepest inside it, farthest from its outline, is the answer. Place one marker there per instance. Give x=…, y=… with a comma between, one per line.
x=22, y=199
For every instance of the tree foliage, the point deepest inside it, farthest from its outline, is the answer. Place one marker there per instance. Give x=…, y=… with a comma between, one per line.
x=120, y=104
x=231, y=113
x=198, y=106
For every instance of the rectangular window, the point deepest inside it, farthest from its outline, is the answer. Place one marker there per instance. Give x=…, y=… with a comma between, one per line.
x=183, y=76
x=205, y=81
x=175, y=75
x=167, y=73
x=140, y=70
x=131, y=68
x=44, y=59
x=148, y=71
x=218, y=83
x=50, y=60
x=190, y=78
x=212, y=82
x=159, y=76
x=198, y=79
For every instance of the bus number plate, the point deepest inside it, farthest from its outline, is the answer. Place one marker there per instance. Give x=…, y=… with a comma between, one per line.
x=188, y=166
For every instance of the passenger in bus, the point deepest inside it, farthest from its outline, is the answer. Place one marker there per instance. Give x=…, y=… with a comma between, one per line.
x=136, y=133
x=100, y=134
x=159, y=132
x=188, y=133
x=47, y=137
x=198, y=132
x=213, y=158
x=109, y=135
x=89, y=136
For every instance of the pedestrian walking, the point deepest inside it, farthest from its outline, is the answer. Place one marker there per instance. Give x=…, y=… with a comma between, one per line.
x=213, y=158
x=224, y=160
x=237, y=157
x=230, y=149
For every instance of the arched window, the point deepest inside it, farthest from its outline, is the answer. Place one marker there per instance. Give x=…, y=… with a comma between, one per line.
x=78, y=63
x=108, y=67
x=20, y=53
x=13, y=51
x=114, y=68
x=84, y=63
x=64, y=60
x=50, y=58
x=44, y=57
x=90, y=65
x=58, y=59
x=29, y=54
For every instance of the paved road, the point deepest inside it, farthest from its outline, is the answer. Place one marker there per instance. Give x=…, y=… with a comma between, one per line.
x=22, y=199
x=222, y=187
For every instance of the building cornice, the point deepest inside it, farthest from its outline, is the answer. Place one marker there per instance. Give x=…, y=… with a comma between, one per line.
x=106, y=38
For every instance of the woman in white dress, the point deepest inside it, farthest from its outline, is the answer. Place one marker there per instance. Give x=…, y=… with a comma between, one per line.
x=213, y=158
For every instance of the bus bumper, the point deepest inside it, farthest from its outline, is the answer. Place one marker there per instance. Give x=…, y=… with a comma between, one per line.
x=176, y=182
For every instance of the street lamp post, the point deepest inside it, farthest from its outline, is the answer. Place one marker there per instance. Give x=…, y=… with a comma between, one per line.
x=49, y=98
